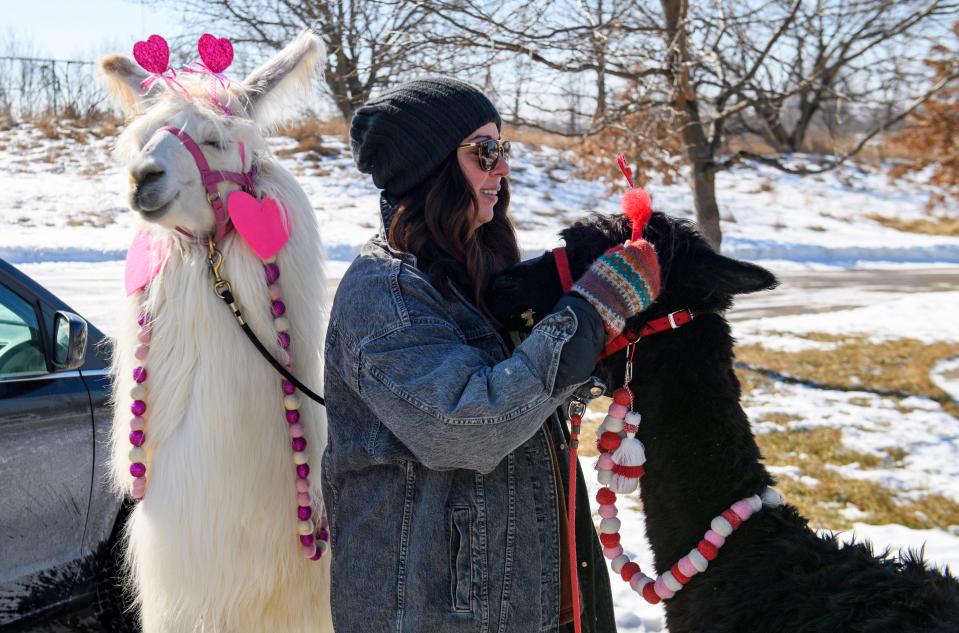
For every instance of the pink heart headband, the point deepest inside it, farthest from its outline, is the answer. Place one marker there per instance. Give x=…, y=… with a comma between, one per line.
x=216, y=55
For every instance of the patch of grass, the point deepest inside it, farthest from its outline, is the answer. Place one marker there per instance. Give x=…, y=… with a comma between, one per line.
x=96, y=219
x=779, y=417
x=816, y=446
x=48, y=126
x=896, y=453
x=814, y=450
x=750, y=381
x=308, y=133
x=933, y=226
x=900, y=365
x=312, y=126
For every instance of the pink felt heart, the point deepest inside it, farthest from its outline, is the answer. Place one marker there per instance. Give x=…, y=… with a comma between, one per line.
x=216, y=54
x=153, y=55
x=145, y=258
x=263, y=224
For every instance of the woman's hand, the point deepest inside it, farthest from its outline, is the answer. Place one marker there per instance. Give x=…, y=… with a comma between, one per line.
x=621, y=284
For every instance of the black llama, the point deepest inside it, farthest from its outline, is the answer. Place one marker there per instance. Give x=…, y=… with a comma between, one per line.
x=774, y=573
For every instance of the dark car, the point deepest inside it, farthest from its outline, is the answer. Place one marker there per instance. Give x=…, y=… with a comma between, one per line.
x=59, y=521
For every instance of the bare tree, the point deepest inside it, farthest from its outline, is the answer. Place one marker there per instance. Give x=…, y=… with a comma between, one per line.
x=773, y=66
x=370, y=42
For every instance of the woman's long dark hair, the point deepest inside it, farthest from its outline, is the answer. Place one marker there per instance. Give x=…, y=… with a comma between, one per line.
x=434, y=223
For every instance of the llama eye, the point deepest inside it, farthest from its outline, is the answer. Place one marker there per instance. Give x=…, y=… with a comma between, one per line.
x=213, y=144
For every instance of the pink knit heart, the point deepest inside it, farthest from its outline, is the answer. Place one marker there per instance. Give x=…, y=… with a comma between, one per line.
x=153, y=55
x=216, y=54
x=145, y=258
x=263, y=224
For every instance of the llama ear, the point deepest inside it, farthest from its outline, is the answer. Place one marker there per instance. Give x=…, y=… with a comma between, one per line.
x=735, y=277
x=290, y=72
x=123, y=78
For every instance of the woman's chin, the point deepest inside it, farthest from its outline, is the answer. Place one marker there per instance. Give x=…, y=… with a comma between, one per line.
x=485, y=215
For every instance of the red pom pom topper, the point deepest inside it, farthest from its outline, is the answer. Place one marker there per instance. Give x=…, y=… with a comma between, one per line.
x=635, y=203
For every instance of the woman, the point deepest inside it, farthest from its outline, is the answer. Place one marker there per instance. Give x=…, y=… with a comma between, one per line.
x=443, y=475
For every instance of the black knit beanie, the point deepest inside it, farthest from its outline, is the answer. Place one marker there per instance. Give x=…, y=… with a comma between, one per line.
x=402, y=136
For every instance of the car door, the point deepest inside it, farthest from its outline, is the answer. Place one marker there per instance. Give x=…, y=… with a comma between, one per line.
x=46, y=458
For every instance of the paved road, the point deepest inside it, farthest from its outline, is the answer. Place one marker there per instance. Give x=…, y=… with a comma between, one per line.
x=830, y=290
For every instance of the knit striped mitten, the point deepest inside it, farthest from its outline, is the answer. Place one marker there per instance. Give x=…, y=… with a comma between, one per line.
x=621, y=284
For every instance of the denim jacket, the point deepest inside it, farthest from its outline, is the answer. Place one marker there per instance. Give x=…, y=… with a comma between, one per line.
x=438, y=476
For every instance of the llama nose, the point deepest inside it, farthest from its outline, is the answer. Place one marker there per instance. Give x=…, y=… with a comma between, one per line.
x=148, y=177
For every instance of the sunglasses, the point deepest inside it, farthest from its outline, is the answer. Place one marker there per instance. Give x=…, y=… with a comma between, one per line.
x=489, y=152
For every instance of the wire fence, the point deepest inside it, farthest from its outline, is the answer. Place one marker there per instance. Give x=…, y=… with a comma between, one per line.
x=35, y=86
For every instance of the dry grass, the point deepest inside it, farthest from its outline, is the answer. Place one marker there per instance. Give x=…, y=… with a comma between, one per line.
x=534, y=138
x=587, y=432
x=900, y=365
x=932, y=226
x=96, y=219
x=311, y=126
x=820, y=141
x=308, y=133
x=814, y=451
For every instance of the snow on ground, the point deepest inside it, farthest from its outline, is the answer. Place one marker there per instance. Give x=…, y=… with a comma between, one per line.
x=927, y=317
x=55, y=184
x=64, y=222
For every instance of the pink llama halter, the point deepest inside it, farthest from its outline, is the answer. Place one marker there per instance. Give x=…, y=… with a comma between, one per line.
x=263, y=224
x=210, y=179
x=145, y=258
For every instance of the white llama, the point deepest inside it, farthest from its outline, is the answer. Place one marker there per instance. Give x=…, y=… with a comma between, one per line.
x=214, y=546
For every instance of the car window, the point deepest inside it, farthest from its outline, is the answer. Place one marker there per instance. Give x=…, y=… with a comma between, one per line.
x=21, y=348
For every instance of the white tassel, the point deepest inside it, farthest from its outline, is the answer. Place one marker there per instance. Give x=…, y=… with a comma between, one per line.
x=630, y=454
x=622, y=485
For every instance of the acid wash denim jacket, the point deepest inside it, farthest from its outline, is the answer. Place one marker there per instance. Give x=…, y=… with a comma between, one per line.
x=438, y=475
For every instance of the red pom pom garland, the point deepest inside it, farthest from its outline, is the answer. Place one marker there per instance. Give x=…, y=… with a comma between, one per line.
x=695, y=562
x=619, y=469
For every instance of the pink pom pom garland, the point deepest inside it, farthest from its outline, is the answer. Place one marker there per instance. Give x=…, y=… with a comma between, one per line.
x=312, y=525
x=138, y=407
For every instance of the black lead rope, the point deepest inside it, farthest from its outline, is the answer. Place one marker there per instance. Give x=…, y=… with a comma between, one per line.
x=222, y=289
x=227, y=297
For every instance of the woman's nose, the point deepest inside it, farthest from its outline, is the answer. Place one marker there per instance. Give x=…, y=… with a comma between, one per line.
x=501, y=168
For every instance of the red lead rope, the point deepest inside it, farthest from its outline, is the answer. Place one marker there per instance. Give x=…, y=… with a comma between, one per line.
x=577, y=409
x=575, y=420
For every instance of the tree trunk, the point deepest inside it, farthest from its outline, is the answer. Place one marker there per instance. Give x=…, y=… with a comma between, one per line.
x=700, y=155
x=707, y=209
